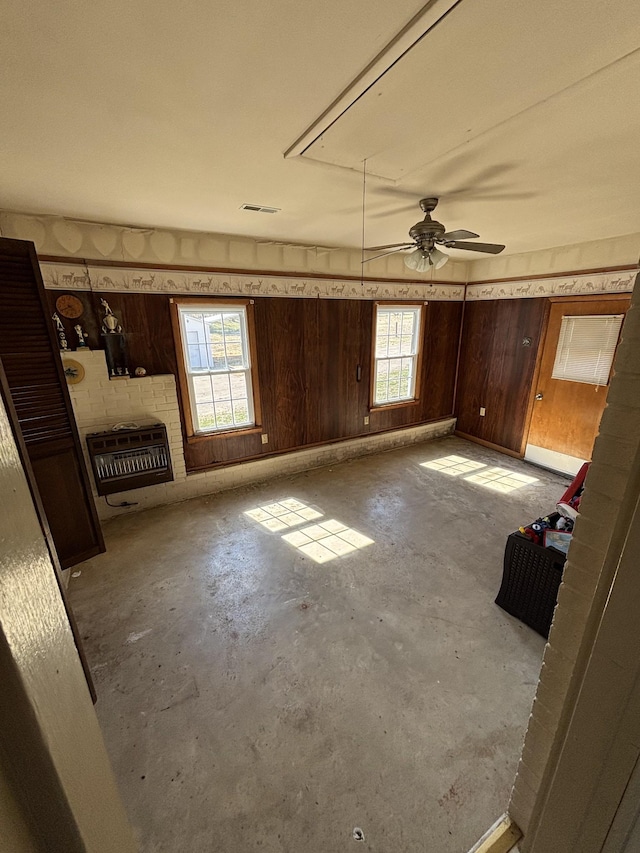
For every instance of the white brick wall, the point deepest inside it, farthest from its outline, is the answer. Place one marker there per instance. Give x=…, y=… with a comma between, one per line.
x=99, y=403
x=584, y=586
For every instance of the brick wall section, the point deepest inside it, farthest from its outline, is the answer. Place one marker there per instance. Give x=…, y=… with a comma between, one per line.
x=99, y=403
x=576, y=615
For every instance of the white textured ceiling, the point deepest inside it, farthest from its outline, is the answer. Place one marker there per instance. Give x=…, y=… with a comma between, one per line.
x=524, y=117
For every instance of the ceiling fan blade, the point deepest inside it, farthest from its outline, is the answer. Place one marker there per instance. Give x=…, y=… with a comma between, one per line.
x=384, y=254
x=460, y=234
x=390, y=246
x=488, y=248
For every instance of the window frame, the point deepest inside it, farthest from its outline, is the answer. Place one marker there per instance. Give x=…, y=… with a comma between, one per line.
x=184, y=383
x=419, y=356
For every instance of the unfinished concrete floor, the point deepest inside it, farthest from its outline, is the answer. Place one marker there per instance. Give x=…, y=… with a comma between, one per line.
x=252, y=698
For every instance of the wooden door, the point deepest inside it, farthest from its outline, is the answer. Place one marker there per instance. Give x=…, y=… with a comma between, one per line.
x=566, y=415
x=31, y=360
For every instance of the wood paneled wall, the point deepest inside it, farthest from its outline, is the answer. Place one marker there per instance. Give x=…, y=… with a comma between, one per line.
x=308, y=352
x=497, y=369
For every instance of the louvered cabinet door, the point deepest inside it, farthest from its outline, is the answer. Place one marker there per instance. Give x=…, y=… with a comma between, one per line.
x=31, y=361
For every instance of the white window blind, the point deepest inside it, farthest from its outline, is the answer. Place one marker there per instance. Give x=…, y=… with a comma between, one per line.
x=586, y=348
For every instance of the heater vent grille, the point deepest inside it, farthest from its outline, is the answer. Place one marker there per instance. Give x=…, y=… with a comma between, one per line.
x=130, y=459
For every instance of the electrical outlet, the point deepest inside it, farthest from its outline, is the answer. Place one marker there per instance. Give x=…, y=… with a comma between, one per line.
x=483, y=411
x=366, y=420
x=265, y=438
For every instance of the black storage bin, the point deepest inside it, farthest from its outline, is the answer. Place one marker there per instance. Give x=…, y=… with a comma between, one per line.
x=530, y=582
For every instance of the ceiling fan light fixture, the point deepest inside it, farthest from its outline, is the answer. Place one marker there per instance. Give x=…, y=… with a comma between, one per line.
x=422, y=260
x=417, y=260
x=437, y=258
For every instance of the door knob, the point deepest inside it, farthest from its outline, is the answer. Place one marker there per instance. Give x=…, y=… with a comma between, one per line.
x=539, y=396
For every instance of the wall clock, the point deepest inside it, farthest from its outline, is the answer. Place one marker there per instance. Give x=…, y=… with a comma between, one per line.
x=69, y=306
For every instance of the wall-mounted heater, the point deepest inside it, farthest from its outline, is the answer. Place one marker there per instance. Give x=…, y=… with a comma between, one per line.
x=130, y=458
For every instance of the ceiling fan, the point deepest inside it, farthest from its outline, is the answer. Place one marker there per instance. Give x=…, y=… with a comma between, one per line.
x=425, y=235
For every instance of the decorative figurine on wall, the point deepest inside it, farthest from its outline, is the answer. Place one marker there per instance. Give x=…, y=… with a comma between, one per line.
x=82, y=344
x=61, y=333
x=110, y=323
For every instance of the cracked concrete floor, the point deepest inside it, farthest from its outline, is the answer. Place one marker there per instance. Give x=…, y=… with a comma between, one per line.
x=253, y=698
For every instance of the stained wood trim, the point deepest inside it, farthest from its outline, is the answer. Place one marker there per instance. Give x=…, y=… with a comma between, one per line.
x=542, y=339
x=488, y=444
x=592, y=297
x=184, y=398
x=457, y=374
x=402, y=404
x=57, y=259
x=231, y=433
x=500, y=838
x=212, y=299
x=255, y=367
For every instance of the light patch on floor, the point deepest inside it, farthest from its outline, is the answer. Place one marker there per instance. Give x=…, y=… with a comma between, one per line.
x=327, y=540
x=283, y=514
x=496, y=479
x=501, y=480
x=453, y=465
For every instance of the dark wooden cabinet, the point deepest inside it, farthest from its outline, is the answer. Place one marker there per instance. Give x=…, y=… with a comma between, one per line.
x=34, y=375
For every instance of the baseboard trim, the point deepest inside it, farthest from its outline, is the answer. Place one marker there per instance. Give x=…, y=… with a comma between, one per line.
x=500, y=838
x=489, y=444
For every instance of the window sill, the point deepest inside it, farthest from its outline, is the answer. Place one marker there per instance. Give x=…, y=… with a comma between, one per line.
x=230, y=433
x=402, y=404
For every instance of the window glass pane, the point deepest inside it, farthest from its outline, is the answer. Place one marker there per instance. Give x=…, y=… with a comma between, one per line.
x=202, y=389
x=224, y=415
x=586, y=347
x=382, y=345
x=221, y=389
x=233, y=340
x=238, y=385
x=383, y=322
x=394, y=345
x=214, y=342
x=382, y=377
x=240, y=412
x=408, y=322
x=395, y=370
x=406, y=345
x=206, y=416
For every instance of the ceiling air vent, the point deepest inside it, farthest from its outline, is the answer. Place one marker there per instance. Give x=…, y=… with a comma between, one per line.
x=259, y=208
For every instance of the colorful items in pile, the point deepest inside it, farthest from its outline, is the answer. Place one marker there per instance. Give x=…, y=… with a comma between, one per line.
x=535, y=531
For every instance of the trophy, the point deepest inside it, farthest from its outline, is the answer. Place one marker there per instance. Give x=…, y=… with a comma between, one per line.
x=110, y=323
x=114, y=344
x=82, y=344
x=60, y=330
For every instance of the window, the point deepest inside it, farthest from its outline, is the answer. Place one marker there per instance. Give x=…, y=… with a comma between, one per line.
x=586, y=348
x=397, y=344
x=217, y=361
